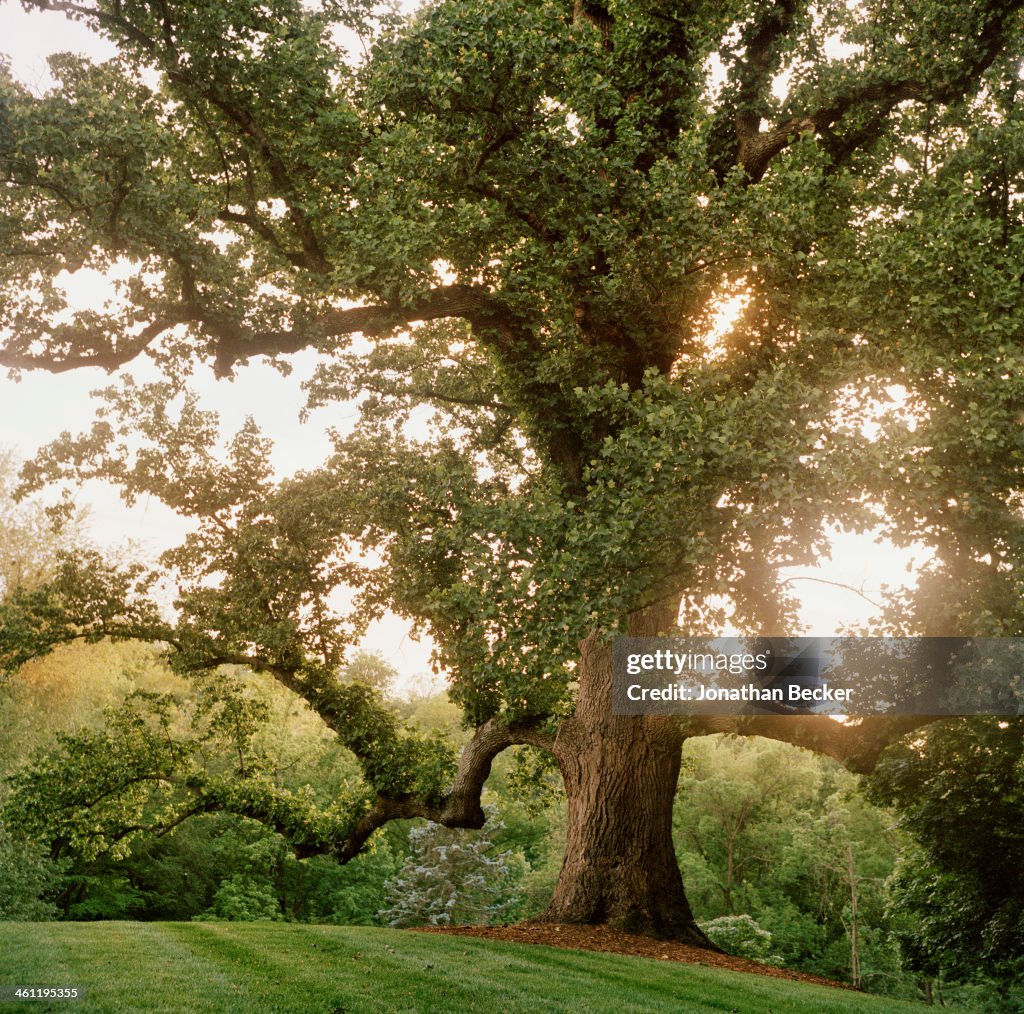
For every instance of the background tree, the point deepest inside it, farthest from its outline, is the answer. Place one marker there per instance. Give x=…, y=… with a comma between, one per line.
x=562, y=196
x=958, y=790
x=30, y=537
x=372, y=669
x=786, y=839
x=29, y=879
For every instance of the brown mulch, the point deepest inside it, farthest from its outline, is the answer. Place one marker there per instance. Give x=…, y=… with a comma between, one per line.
x=604, y=938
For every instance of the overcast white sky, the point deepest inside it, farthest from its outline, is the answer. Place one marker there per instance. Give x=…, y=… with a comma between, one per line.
x=38, y=408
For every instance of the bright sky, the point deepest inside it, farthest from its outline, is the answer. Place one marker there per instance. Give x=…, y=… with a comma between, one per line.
x=38, y=408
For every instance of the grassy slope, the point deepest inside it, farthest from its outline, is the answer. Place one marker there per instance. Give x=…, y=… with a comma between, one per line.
x=269, y=967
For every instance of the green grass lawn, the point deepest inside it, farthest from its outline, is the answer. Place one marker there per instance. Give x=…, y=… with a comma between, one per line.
x=266, y=967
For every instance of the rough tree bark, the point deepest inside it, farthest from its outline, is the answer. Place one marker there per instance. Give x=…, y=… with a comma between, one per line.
x=620, y=775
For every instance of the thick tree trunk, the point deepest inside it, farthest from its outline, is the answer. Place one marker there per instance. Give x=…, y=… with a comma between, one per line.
x=620, y=777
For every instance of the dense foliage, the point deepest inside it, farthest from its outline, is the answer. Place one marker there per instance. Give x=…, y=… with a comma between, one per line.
x=959, y=789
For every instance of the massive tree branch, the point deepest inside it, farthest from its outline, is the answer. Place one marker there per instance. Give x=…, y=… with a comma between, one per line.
x=856, y=744
x=109, y=359
x=879, y=94
x=232, y=343
x=459, y=807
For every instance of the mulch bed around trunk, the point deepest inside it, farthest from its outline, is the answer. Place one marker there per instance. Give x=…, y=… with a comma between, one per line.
x=604, y=938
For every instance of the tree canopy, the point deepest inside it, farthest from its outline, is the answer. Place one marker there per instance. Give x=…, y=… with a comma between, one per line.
x=508, y=231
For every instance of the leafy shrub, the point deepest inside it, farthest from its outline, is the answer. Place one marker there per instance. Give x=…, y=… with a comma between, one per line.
x=449, y=878
x=28, y=880
x=740, y=935
x=241, y=899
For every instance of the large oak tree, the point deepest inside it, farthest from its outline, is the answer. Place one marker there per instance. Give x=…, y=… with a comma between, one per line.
x=508, y=230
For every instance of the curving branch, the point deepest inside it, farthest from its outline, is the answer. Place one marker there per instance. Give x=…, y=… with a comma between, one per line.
x=461, y=806
x=232, y=343
x=857, y=744
x=111, y=359
x=878, y=95
x=362, y=723
x=343, y=840
x=458, y=807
